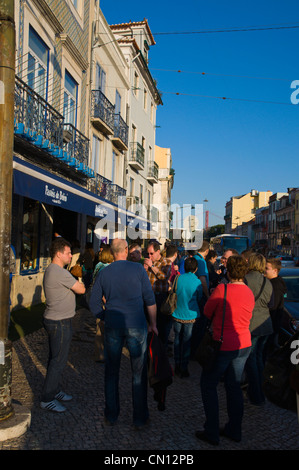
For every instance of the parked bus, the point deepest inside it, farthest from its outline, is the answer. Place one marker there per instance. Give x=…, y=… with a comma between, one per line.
x=223, y=242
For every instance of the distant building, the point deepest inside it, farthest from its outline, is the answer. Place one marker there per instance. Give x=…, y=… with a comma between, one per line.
x=240, y=209
x=274, y=205
x=260, y=229
x=160, y=212
x=285, y=219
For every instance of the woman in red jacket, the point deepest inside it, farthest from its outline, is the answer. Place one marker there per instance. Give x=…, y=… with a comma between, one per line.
x=233, y=354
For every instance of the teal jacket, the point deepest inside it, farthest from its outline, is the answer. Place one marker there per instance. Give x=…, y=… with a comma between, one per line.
x=189, y=293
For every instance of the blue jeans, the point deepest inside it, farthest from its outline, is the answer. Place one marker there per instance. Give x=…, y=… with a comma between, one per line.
x=229, y=364
x=254, y=370
x=60, y=336
x=135, y=339
x=182, y=343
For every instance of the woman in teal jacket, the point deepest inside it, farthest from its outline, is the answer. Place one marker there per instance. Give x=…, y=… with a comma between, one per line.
x=189, y=293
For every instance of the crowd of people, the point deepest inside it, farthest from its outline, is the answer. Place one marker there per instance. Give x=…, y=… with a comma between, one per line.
x=126, y=286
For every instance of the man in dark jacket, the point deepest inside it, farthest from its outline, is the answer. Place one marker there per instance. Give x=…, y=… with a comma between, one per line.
x=273, y=267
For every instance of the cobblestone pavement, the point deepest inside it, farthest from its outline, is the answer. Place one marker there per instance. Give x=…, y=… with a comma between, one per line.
x=82, y=426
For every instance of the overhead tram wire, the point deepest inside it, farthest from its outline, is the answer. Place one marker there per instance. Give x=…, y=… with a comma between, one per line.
x=234, y=29
x=225, y=98
x=231, y=30
x=221, y=74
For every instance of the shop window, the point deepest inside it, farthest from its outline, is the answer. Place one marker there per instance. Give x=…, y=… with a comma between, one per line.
x=30, y=236
x=90, y=233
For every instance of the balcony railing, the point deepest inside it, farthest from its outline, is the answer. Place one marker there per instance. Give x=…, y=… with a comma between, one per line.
x=107, y=190
x=36, y=121
x=284, y=224
x=100, y=186
x=102, y=112
x=153, y=172
x=35, y=118
x=136, y=157
x=76, y=143
x=120, y=137
x=132, y=201
x=116, y=195
x=259, y=225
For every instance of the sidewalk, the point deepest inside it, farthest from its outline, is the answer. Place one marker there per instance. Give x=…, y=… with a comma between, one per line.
x=82, y=426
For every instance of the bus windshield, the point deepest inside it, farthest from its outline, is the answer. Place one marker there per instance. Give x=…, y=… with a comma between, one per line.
x=222, y=243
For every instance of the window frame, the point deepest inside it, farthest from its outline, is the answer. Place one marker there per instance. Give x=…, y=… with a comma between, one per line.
x=68, y=93
x=38, y=64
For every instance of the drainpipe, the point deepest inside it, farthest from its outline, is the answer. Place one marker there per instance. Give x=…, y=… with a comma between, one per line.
x=7, y=89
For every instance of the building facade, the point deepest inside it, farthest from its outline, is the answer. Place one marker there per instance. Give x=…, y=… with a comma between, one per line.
x=274, y=205
x=74, y=115
x=135, y=40
x=285, y=222
x=162, y=193
x=240, y=209
x=274, y=229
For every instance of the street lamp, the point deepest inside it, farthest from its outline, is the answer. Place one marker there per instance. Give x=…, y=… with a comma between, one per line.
x=205, y=214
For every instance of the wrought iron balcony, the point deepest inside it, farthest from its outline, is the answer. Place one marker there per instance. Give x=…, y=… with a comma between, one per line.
x=153, y=172
x=107, y=190
x=120, y=137
x=75, y=143
x=136, y=157
x=100, y=186
x=35, y=119
x=284, y=224
x=132, y=201
x=102, y=112
x=37, y=122
x=117, y=195
x=136, y=206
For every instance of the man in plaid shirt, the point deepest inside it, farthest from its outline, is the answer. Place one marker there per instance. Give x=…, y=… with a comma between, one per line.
x=159, y=269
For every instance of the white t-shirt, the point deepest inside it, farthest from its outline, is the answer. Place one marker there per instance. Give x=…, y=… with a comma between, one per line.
x=60, y=299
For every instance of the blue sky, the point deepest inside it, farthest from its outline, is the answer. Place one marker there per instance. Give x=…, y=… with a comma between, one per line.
x=223, y=148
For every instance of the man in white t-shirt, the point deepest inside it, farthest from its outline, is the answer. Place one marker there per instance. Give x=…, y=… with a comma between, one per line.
x=60, y=288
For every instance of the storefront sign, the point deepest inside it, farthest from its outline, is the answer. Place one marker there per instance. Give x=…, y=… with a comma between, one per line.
x=57, y=197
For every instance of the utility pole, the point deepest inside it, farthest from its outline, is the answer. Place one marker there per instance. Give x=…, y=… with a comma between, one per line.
x=7, y=87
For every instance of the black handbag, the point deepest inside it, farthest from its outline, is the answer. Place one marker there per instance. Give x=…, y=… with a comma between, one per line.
x=169, y=305
x=208, y=348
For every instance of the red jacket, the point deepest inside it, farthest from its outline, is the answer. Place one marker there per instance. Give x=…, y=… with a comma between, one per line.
x=238, y=312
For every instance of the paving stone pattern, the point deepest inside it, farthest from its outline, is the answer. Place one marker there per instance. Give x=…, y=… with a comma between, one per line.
x=82, y=426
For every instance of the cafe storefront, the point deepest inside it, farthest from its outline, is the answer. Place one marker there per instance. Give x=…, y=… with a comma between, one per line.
x=45, y=205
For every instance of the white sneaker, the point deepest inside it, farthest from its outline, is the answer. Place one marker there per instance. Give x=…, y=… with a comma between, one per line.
x=52, y=405
x=62, y=396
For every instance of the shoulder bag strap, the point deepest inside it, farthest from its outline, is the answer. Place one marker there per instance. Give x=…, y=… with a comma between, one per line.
x=173, y=285
x=262, y=288
x=175, y=282
x=224, y=306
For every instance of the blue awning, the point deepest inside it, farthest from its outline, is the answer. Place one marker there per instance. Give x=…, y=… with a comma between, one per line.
x=41, y=185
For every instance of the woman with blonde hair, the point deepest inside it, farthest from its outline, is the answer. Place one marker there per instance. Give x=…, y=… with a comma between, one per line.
x=260, y=325
x=105, y=258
